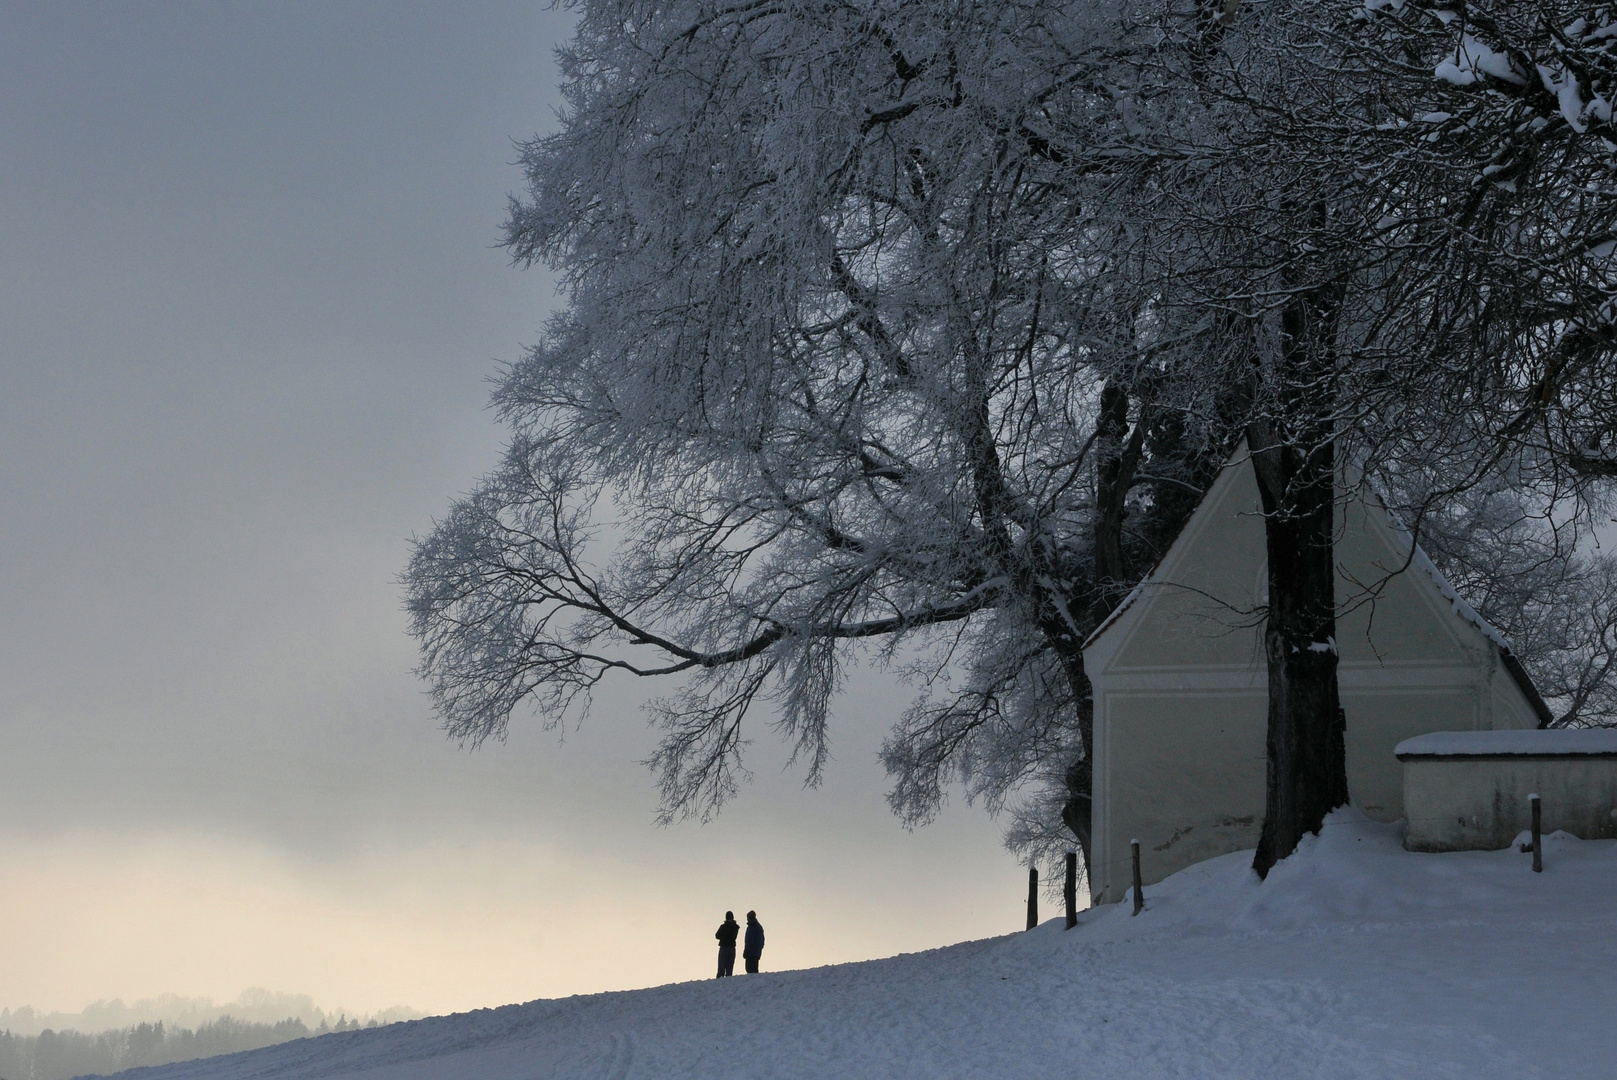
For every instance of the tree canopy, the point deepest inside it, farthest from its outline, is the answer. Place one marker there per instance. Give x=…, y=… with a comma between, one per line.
x=924, y=326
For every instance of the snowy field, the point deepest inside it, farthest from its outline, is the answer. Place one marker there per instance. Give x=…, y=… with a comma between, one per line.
x=1355, y=959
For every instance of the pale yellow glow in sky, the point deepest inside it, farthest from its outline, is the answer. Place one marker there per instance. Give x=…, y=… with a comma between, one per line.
x=447, y=927
x=251, y=304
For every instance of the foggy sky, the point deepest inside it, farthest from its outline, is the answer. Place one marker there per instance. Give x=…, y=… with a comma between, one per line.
x=249, y=303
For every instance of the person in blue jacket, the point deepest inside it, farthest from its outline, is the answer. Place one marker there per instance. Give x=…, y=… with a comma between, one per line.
x=753, y=947
x=727, y=932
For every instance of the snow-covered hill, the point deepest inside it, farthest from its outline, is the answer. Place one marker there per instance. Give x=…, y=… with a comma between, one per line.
x=1355, y=959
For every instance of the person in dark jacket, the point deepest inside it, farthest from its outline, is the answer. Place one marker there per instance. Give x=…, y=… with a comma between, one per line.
x=728, y=930
x=753, y=947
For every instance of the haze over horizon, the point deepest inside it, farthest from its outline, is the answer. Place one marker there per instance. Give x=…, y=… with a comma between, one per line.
x=252, y=297
x=253, y=1005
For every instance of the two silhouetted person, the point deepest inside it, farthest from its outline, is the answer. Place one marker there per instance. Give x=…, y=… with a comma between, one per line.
x=752, y=948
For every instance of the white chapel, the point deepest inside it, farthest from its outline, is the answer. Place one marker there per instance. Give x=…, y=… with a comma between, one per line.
x=1181, y=684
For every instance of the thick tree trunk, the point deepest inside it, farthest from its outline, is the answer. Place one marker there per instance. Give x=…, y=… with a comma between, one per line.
x=1075, y=812
x=1118, y=459
x=1294, y=462
x=1080, y=774
x=1306, y=776
x=1059, y=617
x=1115, y=464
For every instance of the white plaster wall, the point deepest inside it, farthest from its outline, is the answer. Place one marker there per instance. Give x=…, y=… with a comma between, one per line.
x=1381, y=717
x=1201, y=800
x=1508, y=708
x=1480, y=803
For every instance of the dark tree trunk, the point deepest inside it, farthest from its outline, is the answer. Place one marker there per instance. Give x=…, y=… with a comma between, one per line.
x=1059, y=614
x=1080, y=774
x=1075, y=812
x=1306, y=776
x=1115, y=465
x=1294, y=462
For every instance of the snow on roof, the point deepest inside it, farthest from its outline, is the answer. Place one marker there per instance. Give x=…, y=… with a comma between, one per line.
x=1528, y=742
x=1513, y=665
x=1117, y=612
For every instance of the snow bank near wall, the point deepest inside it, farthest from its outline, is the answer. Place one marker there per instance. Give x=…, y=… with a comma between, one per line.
x=1355, y=959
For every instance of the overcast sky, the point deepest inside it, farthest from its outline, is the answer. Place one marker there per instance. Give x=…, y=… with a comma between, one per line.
x=249, y=302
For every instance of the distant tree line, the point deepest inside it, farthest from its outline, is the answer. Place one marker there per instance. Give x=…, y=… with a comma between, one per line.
x=59, y=1055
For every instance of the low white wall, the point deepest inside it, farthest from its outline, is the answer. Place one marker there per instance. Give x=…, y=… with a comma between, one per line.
x=1466, y=791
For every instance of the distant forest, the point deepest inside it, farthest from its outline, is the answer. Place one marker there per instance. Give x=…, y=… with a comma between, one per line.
x=59, y=1055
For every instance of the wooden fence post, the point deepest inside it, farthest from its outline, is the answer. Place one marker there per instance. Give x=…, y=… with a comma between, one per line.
x=1538, y=836
x=1032, y=897
x=1071, y=889
x=1139, y=897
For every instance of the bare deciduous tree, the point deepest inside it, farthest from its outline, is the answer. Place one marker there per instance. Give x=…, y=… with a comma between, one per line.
x=923, y=326
x=846, y=353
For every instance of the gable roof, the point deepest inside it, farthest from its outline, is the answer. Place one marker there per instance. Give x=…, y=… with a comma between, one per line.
x=1419, y=561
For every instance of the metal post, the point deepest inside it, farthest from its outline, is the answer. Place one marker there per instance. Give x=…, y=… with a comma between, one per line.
x=1032, y=897
x=1071, y=889
x=1139, y=897
x=1538, y=837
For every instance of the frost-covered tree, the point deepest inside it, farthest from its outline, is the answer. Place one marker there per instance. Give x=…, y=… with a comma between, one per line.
x=1249, y=228
x=922, y=326
x=1553, y=599
x=1394, y=246
x=848, y=357
x=1500, y=178
x=1493, y=173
